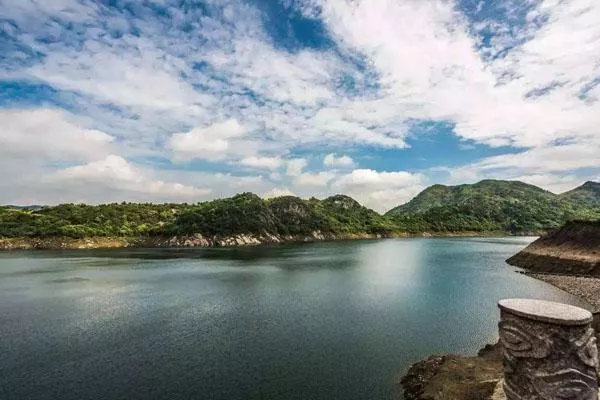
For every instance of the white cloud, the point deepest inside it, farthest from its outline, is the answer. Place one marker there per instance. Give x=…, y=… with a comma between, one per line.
x=372, y=178
x=225, y=91
x=447, y=79
x=115, y=173
x=295, y=166
x=570, y=157
x=213, y=142
x=142, y=79
x=331, y=160
x=49, y=134
x=318, y=179
x=552, y=182
x=270, y=163
x=26, y=11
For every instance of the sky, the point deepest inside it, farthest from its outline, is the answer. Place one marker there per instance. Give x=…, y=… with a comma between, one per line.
x=185, y=101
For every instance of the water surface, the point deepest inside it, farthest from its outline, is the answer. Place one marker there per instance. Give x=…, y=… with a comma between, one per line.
x=320, y=321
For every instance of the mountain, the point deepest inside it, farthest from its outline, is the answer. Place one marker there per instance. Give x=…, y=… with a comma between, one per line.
x=287, y=215
x=490, y=205
x=586, y=194
x=243, y=214
x=494, y=205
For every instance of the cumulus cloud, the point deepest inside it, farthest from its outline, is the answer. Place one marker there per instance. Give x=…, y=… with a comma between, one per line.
x=319, y=179
x=117, y=174
x=495, y=107
x=569, y=157
x=371, y=178
x=295, y=166
x=213, y=142
x=331, y=160
x=49, y=134
x=270, y=163
x=184, y=85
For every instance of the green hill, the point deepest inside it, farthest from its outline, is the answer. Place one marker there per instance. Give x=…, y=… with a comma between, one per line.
x=485, y=206
x=287, y=215
x=493, y=205
x=244, y=213
x=81, y=220
x=587, y=194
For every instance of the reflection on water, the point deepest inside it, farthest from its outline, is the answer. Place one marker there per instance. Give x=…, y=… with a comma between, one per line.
x=319, y=321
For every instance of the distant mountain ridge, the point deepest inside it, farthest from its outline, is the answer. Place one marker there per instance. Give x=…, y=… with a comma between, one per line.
x=510, y=206
x=487, y=206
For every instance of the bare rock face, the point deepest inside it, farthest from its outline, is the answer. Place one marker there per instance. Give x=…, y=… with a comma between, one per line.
x=549, y=351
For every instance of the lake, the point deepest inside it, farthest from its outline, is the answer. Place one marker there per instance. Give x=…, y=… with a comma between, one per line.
x=318, y=321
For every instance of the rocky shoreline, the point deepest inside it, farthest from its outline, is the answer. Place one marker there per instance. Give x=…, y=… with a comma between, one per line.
x=569, y=259
x=585, y=287
x=242, y=240
x=200, y=241
x=455, y=377
x=480, y=377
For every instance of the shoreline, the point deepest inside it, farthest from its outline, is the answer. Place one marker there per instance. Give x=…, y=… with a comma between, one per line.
x=568, y=259
x=585, y=287
x=240, y=240
x=480, y=376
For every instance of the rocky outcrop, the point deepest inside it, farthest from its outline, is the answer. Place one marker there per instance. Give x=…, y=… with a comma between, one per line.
x=58, y=243
x=455, y=377
x=573, y=249
x=239, y=240
x=242, y=240
x=460, y=378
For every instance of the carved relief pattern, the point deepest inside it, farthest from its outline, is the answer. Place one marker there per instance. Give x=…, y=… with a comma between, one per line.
x=520, y=342
x=545, y=361
x=569, y=384
x=587, y=349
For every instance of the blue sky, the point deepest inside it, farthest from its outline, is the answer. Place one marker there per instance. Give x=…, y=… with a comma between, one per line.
x=174, y=100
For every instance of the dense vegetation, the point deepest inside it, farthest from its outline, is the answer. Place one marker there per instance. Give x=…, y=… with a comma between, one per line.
x=243, y=213
x=80, y=220
x=485, y=206
x=495, y=206
x=586, y=194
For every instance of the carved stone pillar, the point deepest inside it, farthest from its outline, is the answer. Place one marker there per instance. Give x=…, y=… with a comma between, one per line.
x=549, y=349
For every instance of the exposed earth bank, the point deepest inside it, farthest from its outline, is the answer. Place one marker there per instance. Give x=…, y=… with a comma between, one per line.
x=573, y=249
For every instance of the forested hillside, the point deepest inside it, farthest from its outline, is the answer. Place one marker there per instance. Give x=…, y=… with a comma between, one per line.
x=486, y=206
x=492, y=205
x=241, y=214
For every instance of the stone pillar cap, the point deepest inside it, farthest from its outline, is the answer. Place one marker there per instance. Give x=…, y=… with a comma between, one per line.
x=546, y=311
